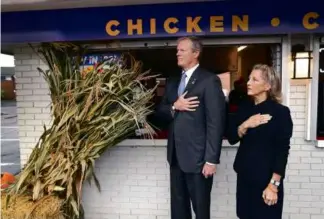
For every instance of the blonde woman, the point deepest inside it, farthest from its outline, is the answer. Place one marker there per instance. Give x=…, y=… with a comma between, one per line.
x=263, y=127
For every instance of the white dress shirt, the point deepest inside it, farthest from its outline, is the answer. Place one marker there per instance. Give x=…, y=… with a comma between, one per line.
x=189, y=72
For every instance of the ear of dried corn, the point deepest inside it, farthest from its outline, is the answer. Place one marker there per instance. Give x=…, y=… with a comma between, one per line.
x=90, y=113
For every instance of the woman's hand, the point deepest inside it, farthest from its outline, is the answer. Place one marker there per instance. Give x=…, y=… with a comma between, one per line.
x=252, y=122
x=270, y=195
x=256, y=120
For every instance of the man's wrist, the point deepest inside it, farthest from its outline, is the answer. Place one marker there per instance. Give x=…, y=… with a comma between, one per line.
x=212, y=164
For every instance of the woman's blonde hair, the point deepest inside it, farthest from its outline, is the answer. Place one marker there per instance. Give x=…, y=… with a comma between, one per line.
x=271, y=77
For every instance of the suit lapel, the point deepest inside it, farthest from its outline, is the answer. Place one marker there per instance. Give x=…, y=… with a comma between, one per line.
x=190, y=85
x=193, y=80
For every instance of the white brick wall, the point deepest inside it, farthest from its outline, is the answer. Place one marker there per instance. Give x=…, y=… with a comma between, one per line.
x=135, y=184
x=33, y=101
x=135, y=180
x=304, y=187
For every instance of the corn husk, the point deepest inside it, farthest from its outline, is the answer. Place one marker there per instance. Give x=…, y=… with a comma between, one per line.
x=91, y=113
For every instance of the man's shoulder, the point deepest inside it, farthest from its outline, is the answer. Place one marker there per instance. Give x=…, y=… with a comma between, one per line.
x=204, y=71
x=206, y=74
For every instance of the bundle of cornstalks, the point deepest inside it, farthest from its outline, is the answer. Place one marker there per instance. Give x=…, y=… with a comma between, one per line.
x=91, y=112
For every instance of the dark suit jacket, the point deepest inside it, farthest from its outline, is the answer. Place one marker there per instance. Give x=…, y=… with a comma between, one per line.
x=263, y=150
x=196, y=136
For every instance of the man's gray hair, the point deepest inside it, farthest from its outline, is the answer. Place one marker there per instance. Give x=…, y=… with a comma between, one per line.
x=196, y=43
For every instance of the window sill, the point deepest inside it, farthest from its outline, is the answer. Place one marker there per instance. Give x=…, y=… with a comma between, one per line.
x=320, y=144
x=158, y=143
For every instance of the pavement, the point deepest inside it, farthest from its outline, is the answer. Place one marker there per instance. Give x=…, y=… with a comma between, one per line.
x=10, y=155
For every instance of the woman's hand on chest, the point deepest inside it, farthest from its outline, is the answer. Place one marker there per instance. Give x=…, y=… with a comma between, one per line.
x=257, y=120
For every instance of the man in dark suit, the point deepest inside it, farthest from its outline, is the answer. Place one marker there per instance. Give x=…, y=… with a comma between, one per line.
x=195, y=105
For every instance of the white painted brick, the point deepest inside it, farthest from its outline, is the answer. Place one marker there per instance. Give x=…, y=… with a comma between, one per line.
x=23, y=81
x=301, y=191
x=128, y=217
x=23, y=68
x=27, y=50
x=20, y=57
x=26, y=151
x=301, y=102
x=300, y=129
x=41, y=66
x=32, y=110
x=29, y=80
x=42, y=117
x=17, y=62
x=299, y=166
x=299, y=122
x=34, y=134
x=313, y=161
x=46, y=110
x=310, y=210
x=301, y=89
x=317, y=204
x=30, y=62
x=319, y=216
x=318, y=192
x=319, y=179
x=300, y=216
x=18, y=87
x=19, y=98
x=39, y=80
x=289, y=209
x=27, y=116
x=41, y=104
x=26, y=128
x=31, y=74
x=301, y=204
x=24, y=93
x=22, y=105
x=318, y=154
x=298, y=95
x=298, y=140
x=309, y=172
x=41, y=92
x=31, y=86
x=29, y=140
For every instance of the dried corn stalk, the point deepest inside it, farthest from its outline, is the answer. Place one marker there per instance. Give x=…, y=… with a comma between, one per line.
x=91, y=113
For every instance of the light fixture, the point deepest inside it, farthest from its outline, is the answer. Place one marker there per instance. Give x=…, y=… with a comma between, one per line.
x=302, y=64
x=240, y=48
x=321, y=68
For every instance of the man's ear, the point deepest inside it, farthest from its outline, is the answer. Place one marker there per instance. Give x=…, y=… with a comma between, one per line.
x=197, y=54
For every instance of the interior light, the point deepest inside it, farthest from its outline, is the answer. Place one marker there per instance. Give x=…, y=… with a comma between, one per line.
x=240, y=48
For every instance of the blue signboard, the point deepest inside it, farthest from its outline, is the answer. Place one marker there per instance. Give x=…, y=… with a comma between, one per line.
x=91, y=60
x=217, y=18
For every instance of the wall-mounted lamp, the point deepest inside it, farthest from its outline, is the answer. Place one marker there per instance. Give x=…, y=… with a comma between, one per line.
x=302, y=64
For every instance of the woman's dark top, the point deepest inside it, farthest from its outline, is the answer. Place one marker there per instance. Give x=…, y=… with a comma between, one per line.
x=263, y=150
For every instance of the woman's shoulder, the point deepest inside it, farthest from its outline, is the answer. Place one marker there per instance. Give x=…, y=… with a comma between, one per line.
x=280, y=108
x=282, y=114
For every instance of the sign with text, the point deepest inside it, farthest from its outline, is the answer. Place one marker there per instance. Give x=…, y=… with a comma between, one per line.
x=91, y=60
x=217, y=18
